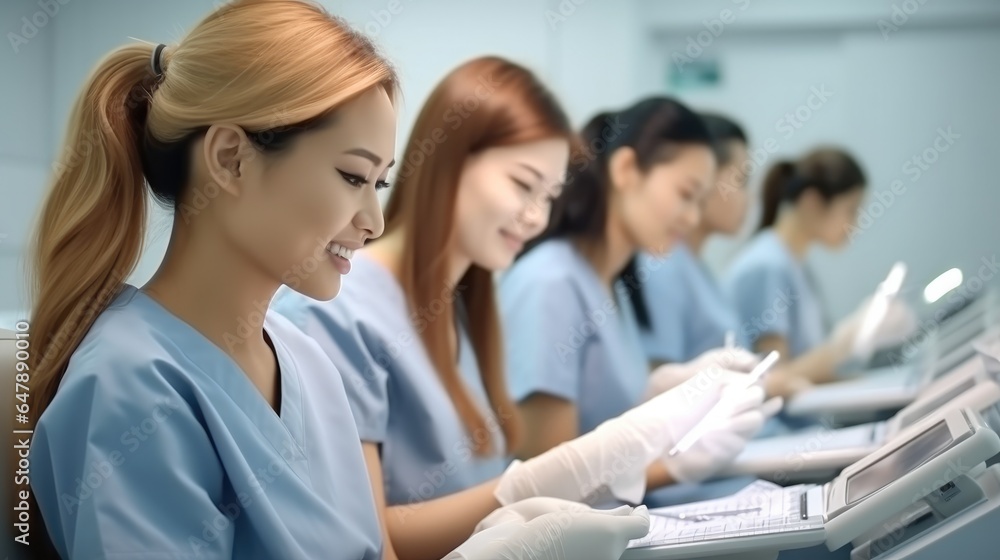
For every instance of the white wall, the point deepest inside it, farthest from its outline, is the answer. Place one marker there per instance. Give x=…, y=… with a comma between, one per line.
x=26, y=145
x=892, y=90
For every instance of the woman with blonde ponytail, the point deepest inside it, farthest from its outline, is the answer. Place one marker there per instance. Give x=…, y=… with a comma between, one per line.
x=180, y=419
x=183, y=419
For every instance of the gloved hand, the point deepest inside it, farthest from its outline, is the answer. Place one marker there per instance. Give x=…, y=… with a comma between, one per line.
x=898, y=324
x=551, y=529
x=614, y=457
x=668, y=376
x=738, y=418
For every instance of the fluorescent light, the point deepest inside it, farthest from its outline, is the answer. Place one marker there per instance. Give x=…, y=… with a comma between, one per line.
x=948, y=281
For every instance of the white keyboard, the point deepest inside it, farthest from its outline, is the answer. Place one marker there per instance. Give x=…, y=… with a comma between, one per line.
x=775, y=510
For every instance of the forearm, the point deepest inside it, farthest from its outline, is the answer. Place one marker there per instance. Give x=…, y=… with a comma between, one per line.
x=658, y=476
x=815, y=366
x=430, y=530
x=819, y=365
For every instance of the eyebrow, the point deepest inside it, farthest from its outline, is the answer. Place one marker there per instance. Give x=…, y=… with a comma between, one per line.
x=369, y=156
x=537, y=173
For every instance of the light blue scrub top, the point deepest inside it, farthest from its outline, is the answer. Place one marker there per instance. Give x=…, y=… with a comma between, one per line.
x=180, y=456
x=569, y=337
x=688, y=311
x=396, y=395
x=773, y=295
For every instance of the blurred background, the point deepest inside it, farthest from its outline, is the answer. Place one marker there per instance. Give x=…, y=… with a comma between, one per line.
x=910, y=87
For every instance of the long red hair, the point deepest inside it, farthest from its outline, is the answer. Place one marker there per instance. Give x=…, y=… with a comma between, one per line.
x=487, y=102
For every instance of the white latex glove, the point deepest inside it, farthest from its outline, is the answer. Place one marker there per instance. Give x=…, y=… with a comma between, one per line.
x=550, y=529
x=614, y=457
x=668, y=376
x=740, y=416
x=899, y=323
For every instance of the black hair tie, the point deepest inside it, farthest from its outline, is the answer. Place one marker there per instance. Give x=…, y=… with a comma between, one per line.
x=155, y=60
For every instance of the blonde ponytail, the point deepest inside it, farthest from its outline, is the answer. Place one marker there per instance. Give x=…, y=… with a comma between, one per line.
x=90, y=231
x=91, y=227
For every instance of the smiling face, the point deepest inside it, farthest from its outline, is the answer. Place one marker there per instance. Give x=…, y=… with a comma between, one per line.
x=303, y=211
x=504, y=197
x=660, y=206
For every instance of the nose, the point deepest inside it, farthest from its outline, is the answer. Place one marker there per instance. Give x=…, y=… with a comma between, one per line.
x=534, y=215
x=369, y=218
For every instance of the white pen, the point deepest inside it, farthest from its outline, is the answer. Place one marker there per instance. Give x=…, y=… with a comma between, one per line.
x=730, y=340
x=702, y=426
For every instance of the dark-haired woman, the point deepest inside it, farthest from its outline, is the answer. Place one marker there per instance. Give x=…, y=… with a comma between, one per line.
x=574, y=353
x=681, y=308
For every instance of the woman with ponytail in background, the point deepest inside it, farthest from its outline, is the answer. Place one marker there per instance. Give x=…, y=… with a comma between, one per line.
x=574, y=354
x=814, y=200
x=183, y=420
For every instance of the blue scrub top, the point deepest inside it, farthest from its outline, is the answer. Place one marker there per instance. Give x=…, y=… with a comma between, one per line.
x=569, y=337
x=689, y=312
x=180, y=456
x=396, y=395
x=773, y=295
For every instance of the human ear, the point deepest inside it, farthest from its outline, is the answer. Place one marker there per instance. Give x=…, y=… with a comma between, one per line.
x=623, y=168
x=226, y=150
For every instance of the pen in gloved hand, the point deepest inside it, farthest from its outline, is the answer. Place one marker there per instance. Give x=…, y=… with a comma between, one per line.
x=705, y=423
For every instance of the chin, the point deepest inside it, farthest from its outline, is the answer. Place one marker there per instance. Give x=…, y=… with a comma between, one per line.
x=661, y=249
x=498, y=260
x=320, y=289
x=732, y=230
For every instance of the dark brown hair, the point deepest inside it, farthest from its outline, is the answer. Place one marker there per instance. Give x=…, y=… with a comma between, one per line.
x=830, y=171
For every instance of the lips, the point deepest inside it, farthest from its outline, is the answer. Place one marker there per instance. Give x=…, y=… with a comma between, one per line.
x=513, y=241
x=341, y=256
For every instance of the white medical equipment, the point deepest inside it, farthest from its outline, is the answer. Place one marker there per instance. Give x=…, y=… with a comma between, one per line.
x=942, y=331
x=958, y=520
x=864, y=340
x=927, y=456
x=818, y=454
x=863, y=399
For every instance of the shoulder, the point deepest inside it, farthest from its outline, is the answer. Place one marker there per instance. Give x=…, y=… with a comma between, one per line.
x=554, y=263
x=131, y=360
x=762, y=258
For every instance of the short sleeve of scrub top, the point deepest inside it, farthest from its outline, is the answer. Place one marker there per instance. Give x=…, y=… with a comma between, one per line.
x=570, y=337
x=773, y=297
x=689, y=312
